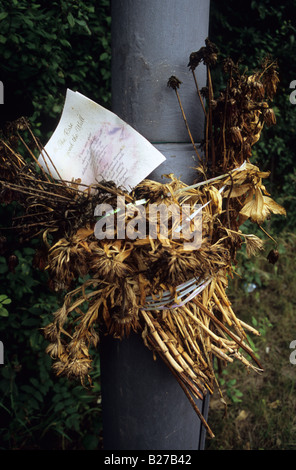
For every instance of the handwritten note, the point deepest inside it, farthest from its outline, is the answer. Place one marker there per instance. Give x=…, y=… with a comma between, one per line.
x=93, y=144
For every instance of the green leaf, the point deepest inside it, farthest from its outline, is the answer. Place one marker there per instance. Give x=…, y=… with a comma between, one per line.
x=4, y=299
x=3, y=312
x=59, y=406
x=3, y=15
x=71, y=20
x=28, y=22
x=65, y=43
x=104, y=56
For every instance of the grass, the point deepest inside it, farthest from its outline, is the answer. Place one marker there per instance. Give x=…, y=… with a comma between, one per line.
x=261, y=407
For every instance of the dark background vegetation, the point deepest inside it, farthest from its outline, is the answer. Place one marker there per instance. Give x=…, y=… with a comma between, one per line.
x=46, y=47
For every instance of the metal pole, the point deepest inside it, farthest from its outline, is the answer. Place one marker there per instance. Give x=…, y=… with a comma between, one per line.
x=144, y=407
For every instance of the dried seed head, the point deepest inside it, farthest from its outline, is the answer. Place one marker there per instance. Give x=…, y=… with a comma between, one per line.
x=78, y=368
x=174, y=82
x=253, y=244
x=228, y=66
x=208, y=54
x=51, y=332
x=105, y=267
x=273, y=256
x=55, y=350
x=205, y=92
x=211, y=54
x=195, y=58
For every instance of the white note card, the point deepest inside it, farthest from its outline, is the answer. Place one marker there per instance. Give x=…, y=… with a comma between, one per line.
x=93, y=144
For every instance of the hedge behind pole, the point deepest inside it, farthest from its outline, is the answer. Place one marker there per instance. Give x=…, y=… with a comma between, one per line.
x=144, y=407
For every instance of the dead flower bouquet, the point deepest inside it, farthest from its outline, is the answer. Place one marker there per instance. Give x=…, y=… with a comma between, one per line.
x=175, y=298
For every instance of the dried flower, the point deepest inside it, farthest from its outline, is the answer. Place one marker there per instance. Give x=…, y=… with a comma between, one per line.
x=56, y=350
x=259, y=207
x=176, y=299
x=77, y=368
x=273, y=256
x=174, y=82
x=110, y=261
x=269, y=117
x=51, y=332
x=235, y=135
x=205, y=92
x=270, y=78
x=208, y=54
x=229, y=66
x=253, y=244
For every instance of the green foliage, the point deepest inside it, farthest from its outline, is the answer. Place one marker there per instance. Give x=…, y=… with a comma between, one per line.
x=230, y=385
x=37, y=409
x=262, y=419
x=4, y=300
x=47, y=47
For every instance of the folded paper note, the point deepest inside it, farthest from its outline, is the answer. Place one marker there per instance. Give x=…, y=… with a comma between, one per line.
x=93, y=144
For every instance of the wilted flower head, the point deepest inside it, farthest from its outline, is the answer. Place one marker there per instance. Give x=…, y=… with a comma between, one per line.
x=174, y=82
x=229, y=66
x=256, y=88
x=55, y=350
x=51, y=331
x=205, y=92
x=78, y=368
x=269, y=117
x=110, y=261
x=270, y=78
x=208, y=54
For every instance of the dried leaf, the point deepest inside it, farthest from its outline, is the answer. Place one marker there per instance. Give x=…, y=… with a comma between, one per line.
x=254, y=209
x=271, y=206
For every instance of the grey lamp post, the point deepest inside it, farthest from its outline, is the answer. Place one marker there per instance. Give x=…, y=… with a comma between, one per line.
x=144, y=407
